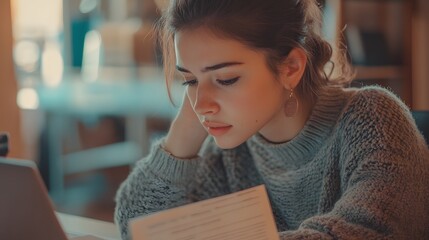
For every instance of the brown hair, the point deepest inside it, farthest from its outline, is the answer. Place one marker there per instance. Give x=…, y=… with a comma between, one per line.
x=273, y=26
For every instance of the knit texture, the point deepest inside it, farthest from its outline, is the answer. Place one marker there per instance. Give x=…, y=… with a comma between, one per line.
x=359, y=169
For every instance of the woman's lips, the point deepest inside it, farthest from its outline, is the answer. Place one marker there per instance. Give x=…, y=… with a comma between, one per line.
x=216, y=129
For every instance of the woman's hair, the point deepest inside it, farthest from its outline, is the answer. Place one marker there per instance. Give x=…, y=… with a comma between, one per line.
x=272, y=26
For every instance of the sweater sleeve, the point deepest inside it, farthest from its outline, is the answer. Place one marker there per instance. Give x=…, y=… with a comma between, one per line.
x=160, y=181
x=384, y=168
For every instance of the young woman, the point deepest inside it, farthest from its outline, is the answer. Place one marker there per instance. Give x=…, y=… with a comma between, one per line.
x=259, y=108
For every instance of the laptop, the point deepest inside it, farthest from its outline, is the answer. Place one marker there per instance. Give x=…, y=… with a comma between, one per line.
x=26, y=211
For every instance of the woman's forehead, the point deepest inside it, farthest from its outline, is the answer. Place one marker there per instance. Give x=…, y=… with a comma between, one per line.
x=203, y=44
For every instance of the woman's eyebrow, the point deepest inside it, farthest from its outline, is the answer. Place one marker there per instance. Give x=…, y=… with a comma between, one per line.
x=211, y=68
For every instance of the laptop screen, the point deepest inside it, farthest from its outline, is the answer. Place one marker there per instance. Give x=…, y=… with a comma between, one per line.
x=25, y=207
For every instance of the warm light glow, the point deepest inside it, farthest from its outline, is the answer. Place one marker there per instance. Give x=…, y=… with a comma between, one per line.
x=91, y=56
x=27, y=98
x=52, y=64
x=87, y=6
x=26, y=54
x=37, y=17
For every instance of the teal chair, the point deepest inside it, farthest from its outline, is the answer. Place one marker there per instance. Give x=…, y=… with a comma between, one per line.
x=422, y=122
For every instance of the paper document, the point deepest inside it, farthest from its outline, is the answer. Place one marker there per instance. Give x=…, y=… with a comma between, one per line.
x=242, y=215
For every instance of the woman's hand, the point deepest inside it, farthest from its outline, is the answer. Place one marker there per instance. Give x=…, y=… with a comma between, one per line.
x=186, y=134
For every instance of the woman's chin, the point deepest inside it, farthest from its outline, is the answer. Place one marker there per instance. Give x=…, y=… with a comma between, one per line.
x=227, y=143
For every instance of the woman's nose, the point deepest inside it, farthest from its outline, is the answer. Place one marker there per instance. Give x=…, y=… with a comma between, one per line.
x=205, y=101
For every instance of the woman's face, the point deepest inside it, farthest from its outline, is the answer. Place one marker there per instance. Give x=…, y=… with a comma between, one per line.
x=229, y=85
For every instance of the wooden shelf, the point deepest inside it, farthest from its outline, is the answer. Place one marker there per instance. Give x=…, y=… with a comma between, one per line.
x=379, y=72
x=376, y=1
x=391, y=66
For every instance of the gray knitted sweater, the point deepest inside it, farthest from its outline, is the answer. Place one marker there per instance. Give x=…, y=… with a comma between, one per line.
x=359, y=169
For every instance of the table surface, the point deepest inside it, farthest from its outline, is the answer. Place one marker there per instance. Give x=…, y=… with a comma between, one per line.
x=87, y=226
x=109, y=97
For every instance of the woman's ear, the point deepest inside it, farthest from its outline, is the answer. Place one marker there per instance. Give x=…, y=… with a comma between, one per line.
x=293, y=68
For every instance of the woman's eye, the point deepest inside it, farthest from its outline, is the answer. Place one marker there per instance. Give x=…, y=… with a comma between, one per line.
x=228, y=81
x=189, y=82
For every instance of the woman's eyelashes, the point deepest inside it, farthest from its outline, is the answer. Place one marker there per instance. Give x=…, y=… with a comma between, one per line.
x=226, y=82
x=189, y=82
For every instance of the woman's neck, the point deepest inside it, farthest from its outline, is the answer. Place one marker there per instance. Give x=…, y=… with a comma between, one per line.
x=282, y=129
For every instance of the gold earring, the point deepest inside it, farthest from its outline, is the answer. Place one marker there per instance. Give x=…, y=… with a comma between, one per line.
x=291, y=105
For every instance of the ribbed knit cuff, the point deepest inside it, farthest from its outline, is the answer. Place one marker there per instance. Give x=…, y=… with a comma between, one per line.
x=169, y=167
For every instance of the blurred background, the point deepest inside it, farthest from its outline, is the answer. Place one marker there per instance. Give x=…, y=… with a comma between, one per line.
x=82, y=91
